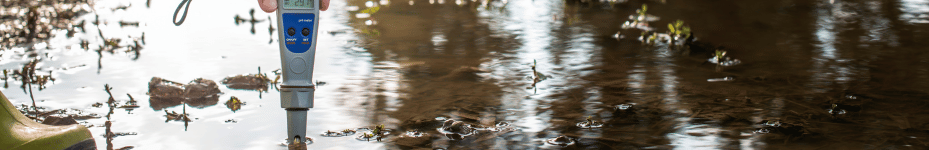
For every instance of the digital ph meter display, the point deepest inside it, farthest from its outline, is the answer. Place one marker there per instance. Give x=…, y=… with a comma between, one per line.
x=298, y=4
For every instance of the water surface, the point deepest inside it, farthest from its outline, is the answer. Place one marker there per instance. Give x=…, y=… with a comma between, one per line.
x=539, y=66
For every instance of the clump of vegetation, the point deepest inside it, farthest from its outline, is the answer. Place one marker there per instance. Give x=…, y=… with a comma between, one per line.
x=234, y=104
x=678, y=31
x=638, y=20
x=641, y=12
x=367, y=135
x=719, y=55
x=378, y=129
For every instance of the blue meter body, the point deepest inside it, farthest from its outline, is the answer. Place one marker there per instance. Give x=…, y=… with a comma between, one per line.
x=297, y=23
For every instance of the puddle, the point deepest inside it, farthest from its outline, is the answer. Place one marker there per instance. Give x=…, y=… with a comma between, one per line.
x=819, y=69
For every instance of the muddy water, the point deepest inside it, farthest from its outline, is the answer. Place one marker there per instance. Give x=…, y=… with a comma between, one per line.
x=513, y=74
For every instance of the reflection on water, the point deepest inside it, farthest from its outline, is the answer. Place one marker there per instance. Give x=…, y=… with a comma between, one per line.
x=487, y=74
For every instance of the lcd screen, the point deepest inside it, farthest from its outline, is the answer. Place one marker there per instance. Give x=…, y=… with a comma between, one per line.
x=298, y=4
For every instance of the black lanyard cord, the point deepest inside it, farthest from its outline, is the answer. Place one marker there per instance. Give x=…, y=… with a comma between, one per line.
x=184, y=16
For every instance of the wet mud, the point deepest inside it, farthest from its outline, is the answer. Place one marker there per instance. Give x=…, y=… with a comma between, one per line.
x=258, y=82
x=198, y=93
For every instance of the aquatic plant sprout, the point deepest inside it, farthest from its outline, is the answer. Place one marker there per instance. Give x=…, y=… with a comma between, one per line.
x=720, y=59
x=641, y=11
x=678, y=30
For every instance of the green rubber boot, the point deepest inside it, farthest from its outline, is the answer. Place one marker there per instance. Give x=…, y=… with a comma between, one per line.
x=18, y=132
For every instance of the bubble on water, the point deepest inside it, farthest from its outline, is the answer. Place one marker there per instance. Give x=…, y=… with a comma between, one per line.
x=306, y=140
x=415, y=134
x=761, y=131
x=837, y=112
x=363, y=129
x=452, y=127
x=618, y=35
x=589, y=124
x=623, y=106
x=348, y=132
x=851, y=97
x=441, y=118
x=351, y=8
x=502, y=124
x=730, y=62
x=369, y=4
x=720, y=79
x=628, y=25
x=362, y=15
x=727, y=62
x=332, y=134
x=772, y=123
x=561, y=141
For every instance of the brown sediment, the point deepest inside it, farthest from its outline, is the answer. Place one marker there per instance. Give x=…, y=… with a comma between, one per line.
x=257, y=82
x=198, y=93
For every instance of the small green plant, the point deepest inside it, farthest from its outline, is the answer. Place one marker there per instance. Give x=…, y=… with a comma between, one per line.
x=367, y=136
x=641, y=12
x=378, y=129
x=652, y=38
x=589, y=121
x=678, y=29
x=719, y=55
